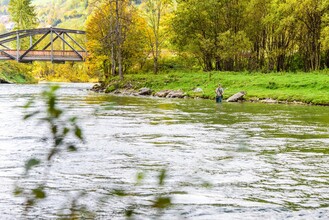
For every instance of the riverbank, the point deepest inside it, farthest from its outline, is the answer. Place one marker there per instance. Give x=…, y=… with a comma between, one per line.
x=11, y=72
x=300, y=87
x=18, y=78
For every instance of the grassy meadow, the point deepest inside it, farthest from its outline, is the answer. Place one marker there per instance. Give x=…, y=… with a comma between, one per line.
x=311, y=88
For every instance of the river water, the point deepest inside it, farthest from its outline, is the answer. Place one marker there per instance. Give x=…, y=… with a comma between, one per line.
x=223, y=161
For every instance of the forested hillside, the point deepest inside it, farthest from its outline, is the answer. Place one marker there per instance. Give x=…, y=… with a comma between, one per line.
x=56, y=13
x=64, y=13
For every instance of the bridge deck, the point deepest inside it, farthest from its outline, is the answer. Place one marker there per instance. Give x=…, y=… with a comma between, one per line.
x=44, y=55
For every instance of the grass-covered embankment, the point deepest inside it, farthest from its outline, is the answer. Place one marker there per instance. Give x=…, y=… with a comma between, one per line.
x=15, y=73
x=310, y=88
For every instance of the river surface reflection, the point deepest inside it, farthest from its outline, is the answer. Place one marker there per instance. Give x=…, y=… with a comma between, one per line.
x=227, y=161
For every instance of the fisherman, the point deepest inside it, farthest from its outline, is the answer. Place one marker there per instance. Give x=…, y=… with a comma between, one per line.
x=219, y=93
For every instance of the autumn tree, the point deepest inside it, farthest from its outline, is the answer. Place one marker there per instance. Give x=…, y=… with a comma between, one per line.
x=155, y=13
x=115, y=36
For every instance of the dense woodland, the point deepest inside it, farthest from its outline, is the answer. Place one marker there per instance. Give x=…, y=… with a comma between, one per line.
x=225, y=35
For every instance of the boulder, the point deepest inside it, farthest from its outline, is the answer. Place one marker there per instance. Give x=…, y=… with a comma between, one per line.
x=145, y=91
x=176, y=94
x=98, y=88
x=4, y=81
x=198, y=90
x=163, y=93
x=236, y=97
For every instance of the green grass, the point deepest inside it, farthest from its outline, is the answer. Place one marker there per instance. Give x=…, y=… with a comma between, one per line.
x=310, y=88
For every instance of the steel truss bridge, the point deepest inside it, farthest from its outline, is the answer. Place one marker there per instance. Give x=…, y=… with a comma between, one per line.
x=45, y=44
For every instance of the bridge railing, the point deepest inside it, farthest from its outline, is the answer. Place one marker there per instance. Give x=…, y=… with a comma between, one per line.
x=58, y=55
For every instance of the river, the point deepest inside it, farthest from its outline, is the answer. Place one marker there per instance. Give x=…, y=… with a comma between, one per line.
x=223, y=161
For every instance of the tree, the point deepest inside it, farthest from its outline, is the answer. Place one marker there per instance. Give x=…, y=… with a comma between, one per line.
x=23, y=14
x=311, y=14
x=155, y=12
x=116, y=36
x=213, y=31
x=2, y=28
x=194, y=30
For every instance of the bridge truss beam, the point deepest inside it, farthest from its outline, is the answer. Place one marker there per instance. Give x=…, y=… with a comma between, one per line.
x=11, y=47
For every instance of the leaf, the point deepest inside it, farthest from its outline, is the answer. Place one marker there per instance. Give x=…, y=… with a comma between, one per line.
x=58, y=141
x=30, y=115
x=162, y=177
x=30, y=202
x=119, y=192
x=129, y=212
x=39, y=193
x=78, y=133
x=66, y=131
x=52, y=153
x=140, y=177
x=31, y=163
x=72, y=148
x=73, y=119
x=54, y=129
x=162, y=202
x=18, y=191
x=28, y=104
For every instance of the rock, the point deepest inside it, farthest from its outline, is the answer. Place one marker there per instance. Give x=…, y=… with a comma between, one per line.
x=128, y=86
x=145, y=91
x=98, y=88
x=176, y=94
x=269, y=101
x=236, y=97
x=4, y=81
x=198, y=90
x=163, y=93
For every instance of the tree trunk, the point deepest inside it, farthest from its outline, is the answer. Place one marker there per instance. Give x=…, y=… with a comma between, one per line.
x=207, y=63
x=155, y=65
x=218, y=66
x=113, y=61
x=326, y=59
x=280, y=63
x=118, y=39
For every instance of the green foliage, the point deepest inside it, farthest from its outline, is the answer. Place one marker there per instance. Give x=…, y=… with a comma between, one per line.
x=33, y=184
x=13, y=72
x=262, y=35
x=162, y=202
x=272, y=85
x=22, y=12
x=68, y=72
x=111, y=88
x=60, y=129
x=31, y=163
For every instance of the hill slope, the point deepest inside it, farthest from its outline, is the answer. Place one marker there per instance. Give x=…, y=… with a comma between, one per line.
x=56, y=13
